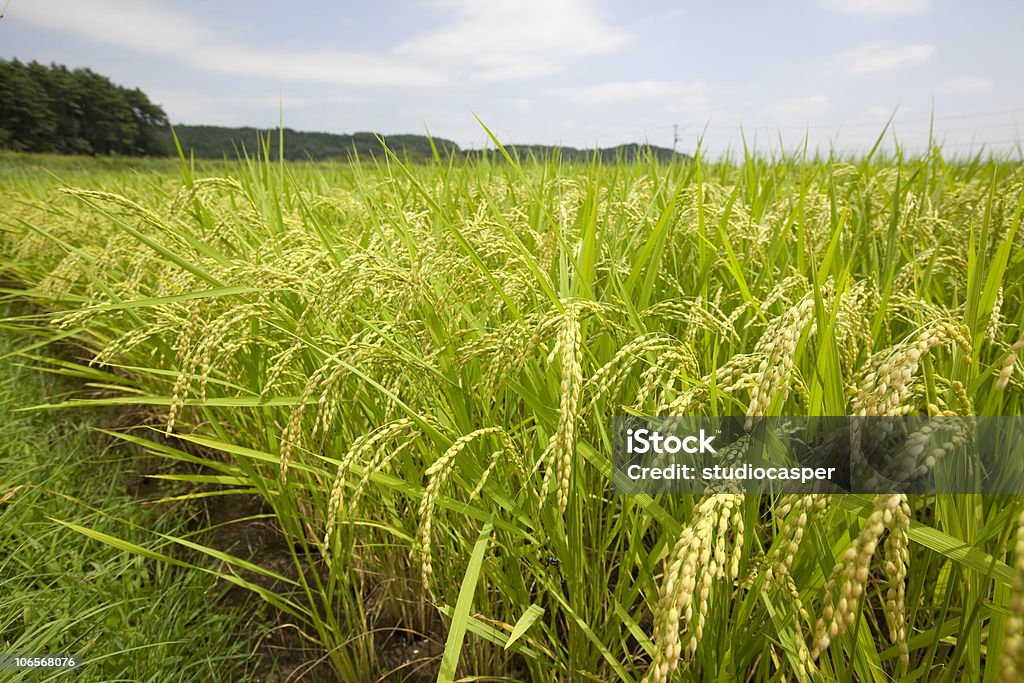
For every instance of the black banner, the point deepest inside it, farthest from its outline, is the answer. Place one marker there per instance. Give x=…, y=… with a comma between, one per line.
x=909, y=454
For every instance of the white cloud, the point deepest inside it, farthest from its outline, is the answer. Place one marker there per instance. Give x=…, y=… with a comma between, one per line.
x=224, y=107
x=676, y=96
x=966, y=85
x=880, y=112
x=886, y=7
x=798, y=108
x=138, y=26
x=876, y=57
x=502, y=40
x=146, y=27
x=522, y=105
x=622, y=91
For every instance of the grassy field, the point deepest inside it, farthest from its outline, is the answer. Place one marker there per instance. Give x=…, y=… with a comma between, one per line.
x=416, y=368
x=126, y=618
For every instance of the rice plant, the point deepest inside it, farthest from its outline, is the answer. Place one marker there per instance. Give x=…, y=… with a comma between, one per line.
x=416, y=367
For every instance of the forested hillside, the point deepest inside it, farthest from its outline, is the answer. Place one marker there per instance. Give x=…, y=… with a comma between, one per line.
x=216, y=142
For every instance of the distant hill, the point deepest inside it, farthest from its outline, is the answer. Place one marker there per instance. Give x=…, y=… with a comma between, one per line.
x=625, y=153
x=218, y=142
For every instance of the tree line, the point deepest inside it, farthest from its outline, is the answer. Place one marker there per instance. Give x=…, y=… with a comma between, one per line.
x=56, y=109
x=60, y=110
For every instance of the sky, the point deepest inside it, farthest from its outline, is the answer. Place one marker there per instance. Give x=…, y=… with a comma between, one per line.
x=582, y=73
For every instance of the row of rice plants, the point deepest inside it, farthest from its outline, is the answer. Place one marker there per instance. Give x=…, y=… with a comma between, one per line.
x=416, y=367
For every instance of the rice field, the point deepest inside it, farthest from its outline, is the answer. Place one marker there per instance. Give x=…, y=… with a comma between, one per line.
x=416, y=367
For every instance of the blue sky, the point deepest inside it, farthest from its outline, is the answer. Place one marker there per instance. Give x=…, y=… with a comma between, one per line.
x=577, y=72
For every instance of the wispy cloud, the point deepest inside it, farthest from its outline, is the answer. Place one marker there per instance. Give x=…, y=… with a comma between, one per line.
x=190, y=104
x=876, y=57
x=644, y=89
x=514, y=39
x=883, y=7
x=966, y=85
x=148, y=28
x=504, y=40
x=798, y=109
x=880, y=112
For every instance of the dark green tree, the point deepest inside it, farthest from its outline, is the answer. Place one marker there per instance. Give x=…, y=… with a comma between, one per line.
x=27, y=121
x=54, y=109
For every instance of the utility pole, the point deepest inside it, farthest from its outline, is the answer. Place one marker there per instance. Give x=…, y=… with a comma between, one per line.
x=675, y=136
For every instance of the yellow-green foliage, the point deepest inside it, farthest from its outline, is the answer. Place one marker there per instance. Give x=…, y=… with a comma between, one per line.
x=395, y=356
